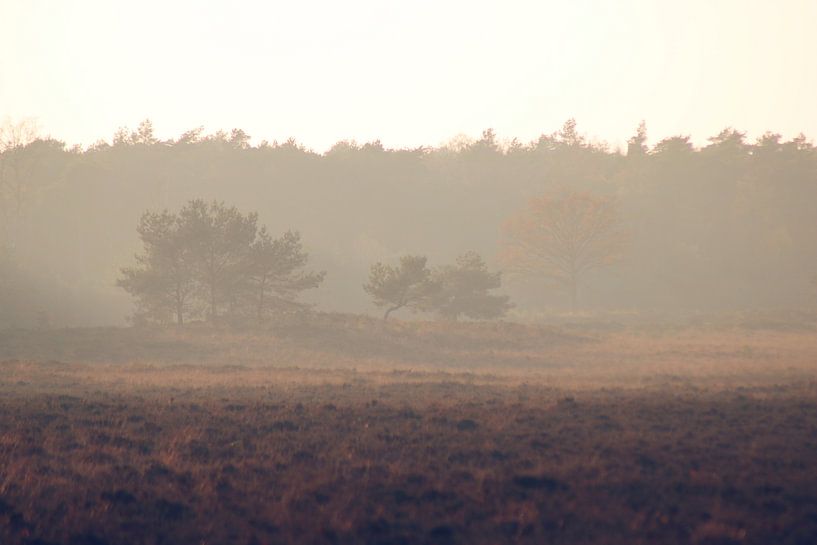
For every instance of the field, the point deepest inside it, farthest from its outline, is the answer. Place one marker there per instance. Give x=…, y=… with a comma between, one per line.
x=347, y=430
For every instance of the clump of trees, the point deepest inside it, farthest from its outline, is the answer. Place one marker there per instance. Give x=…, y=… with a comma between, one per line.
x=563, y=236
x=451, y=291
x=209, y=260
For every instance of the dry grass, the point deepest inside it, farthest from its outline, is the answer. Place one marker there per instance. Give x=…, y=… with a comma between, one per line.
x=353, y=432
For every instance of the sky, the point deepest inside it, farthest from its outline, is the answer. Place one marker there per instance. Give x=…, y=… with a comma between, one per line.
x=410, y=73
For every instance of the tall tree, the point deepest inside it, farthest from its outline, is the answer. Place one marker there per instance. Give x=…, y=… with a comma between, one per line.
x=221, y=237
x=405, y=285
x=164, y=278
x=464, y=289
x=275, y=271
x=562, y=237
x=637, y=144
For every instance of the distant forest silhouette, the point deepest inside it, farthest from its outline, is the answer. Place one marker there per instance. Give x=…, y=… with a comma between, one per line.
x=728, y=225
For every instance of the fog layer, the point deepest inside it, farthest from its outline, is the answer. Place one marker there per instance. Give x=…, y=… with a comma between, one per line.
x=727, y=226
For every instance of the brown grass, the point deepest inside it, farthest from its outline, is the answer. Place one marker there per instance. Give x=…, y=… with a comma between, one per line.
x=343, y=433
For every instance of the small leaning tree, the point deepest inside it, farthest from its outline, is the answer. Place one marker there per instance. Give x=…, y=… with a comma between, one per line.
x=462, y=289
x=406, y=285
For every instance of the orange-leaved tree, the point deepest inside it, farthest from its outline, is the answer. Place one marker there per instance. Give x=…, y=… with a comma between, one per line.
x=563, y=235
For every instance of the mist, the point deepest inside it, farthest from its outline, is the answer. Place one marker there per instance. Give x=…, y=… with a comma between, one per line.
x=722, y=228
x=436, y=273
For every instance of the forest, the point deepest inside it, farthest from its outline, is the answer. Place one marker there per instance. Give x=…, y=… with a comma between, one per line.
x=725, y=226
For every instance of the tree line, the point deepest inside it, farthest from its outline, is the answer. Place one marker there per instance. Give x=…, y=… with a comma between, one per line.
x=727, y=224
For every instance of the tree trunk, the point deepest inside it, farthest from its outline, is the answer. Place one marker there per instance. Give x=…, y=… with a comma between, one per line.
x=212, y=303
x=179, y=310
x=389, y=311
x=574, y=293
x=261, y=300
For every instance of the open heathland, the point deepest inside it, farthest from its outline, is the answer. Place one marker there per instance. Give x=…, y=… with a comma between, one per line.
x=353, y=431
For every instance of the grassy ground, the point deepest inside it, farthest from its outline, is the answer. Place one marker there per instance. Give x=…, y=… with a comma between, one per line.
x=348, y=431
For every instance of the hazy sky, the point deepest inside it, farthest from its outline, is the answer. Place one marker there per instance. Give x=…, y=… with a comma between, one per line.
x=413, y=72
